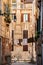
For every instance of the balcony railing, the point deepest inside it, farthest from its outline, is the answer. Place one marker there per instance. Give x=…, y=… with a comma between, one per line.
x=14, y=6
x=25, y=6
x=21, y=6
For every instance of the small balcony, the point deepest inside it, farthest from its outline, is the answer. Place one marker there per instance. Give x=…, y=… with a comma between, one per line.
x=25, y=6
x=14, y=6
x=21, y=6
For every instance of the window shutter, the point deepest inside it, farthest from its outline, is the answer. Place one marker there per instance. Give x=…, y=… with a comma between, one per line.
x=25, y=47
x=12, y=39
x=28, y=17
x=25, y=34
x=21, y=0
x=15, y=17
x=21, y=17
x=12, y=34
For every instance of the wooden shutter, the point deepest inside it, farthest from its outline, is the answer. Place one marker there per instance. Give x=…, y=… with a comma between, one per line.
x=12, y=39
x=25, y=47
x=21, y=17
x=21, y=0
x=12, y=34
x=28, y=17
x=25, y=34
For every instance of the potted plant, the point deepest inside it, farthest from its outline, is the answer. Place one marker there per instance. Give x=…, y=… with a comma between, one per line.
x=7, y=14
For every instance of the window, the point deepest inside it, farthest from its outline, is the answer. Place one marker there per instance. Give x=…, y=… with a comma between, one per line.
x=25, y=47
x=12, y=34
x=14, y=17
x=25, y=17
x=14, y=5
x=7, y=7
x=13, y=1
x=22, y=5
x=27, y=1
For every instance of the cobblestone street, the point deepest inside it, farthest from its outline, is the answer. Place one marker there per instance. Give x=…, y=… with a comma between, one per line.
x=23, y=63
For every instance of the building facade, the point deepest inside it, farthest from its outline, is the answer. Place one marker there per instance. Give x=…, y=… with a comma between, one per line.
x=4, y=34
x=22, y=29
x=39, y=45
x=18, y=40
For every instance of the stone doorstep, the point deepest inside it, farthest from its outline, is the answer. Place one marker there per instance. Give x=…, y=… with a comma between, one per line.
x=20, y=60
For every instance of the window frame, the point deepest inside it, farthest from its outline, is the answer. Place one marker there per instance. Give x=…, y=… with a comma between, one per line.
x=13, y=17
x=26, y=1
x=22, y=17
x=14, y=5
x=25, y=17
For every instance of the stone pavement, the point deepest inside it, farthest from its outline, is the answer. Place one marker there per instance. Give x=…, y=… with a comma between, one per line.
x=23, y=63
